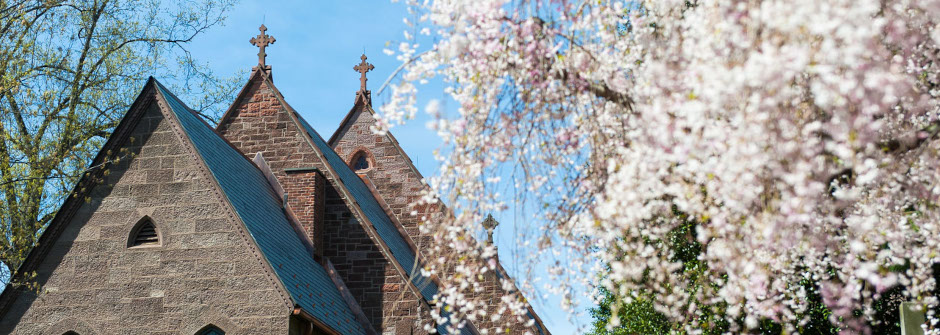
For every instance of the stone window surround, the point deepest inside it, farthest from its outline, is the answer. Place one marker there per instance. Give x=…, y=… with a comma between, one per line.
x=355, y=155
x=210, y=329
x=70, y=326
x=210, y=317
x=135, y=228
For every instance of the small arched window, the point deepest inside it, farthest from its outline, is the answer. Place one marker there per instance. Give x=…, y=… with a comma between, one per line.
x=210, y=330
x=360, y=161
x=70, y=333
x=144, y=234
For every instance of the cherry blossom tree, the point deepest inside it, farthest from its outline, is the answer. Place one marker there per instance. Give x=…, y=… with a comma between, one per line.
x=798, y=137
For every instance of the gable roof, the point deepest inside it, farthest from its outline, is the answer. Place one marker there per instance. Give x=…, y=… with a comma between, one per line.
x=363, y=204
x=348, y=120
x=345, y=125
x=374, y=212
x=242, y=94
x=76, y=198
x=248, y=191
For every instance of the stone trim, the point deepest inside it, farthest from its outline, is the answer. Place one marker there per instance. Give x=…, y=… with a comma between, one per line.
x=230, y=112
x=70, y=324
x=333, y=177
x=210, y=317
x=134, y=229
x=266, y=170
x=301, y=170
x=347, y=123
x=77, y=195
x=216, y=190
x=369, y=158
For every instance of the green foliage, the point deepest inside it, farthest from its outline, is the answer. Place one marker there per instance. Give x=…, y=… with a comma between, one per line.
x=636, y=317
x=69, y=69
x=817, y=313
x=639, y=317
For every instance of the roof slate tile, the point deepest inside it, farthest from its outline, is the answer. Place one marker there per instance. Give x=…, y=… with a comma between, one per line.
x=250, y=194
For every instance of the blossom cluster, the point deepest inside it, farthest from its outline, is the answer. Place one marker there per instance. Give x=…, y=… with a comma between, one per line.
x=800, y=136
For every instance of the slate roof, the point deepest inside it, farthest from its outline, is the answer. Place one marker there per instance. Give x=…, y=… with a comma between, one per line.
x=367, y=108
x=259, y=207
x=383, y=224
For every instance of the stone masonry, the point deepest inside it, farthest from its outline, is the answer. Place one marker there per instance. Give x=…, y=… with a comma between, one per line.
x=258, y=123
x=393, y=175
x=380, y=290
x=400, y=184
x=196, y=262
x=202, y=272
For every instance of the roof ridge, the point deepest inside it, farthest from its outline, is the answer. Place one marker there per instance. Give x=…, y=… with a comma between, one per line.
x=281, y=248
x=241, y=95
x=346, y=124
x=356, y=206
x=198, y=116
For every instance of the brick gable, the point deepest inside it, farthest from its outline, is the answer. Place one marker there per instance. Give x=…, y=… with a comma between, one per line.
x=399, y=184
x=259, y=122
x=394, y=176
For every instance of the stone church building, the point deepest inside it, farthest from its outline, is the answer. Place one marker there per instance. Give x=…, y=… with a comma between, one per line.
x=256, y=226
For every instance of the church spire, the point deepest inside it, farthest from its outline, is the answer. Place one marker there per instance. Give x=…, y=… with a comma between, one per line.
x=261, y=41
x=362, y=68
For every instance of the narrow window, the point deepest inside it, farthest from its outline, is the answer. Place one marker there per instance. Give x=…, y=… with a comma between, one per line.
x=144, y=234
x=360, y=161
x=210, y=330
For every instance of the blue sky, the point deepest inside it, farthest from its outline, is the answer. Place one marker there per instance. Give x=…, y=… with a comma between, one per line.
x=318, y=43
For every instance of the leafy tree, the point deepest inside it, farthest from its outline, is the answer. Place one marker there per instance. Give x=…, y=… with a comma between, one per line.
x=794, y=132
x=636, y=317
x=638, y=314
x=69, y=69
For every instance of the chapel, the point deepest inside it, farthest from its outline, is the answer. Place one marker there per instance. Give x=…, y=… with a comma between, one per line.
x=258, y=225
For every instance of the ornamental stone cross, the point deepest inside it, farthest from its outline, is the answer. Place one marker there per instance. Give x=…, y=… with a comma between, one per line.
x=363, y=68
x=261, y=41
x=490, y=224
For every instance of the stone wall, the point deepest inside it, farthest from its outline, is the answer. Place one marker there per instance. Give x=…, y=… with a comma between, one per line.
x=399, y=185
x=374, y=283
x=202, y=272
x=260, y=124
x=392, y=174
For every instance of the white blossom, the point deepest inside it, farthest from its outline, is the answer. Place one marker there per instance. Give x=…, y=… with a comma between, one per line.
x=800, y=136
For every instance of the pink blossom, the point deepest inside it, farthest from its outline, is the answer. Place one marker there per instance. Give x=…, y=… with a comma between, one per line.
x=799, y=135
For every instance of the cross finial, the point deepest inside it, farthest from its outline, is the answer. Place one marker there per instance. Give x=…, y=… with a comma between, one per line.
x=261, y=41
x=362, y=68
x=490, y=224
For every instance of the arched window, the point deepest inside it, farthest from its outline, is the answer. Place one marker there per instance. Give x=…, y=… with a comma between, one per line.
x=210, y=330
x=144, y=234
x=70, y=333
x=360, y=161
